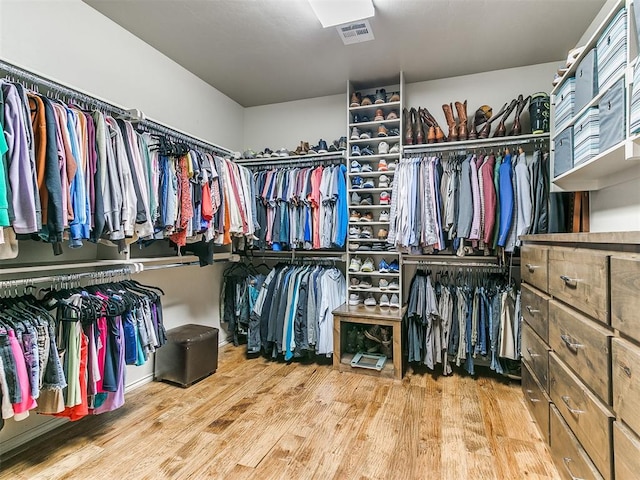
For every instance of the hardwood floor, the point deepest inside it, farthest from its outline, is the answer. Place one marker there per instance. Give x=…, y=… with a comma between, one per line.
x=269, y=420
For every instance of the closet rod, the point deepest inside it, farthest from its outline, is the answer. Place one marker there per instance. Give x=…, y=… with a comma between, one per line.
x=293, y=258
x=137, y=117
x=543, y=138
x=299, y=160
x=72, y=277
x=170, y=265
x=427, y=263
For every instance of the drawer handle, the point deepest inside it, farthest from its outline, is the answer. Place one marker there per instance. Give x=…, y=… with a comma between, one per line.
x=566, y=461
x=626, y=370
x=531, y=267
x=575, y=411
x=569, y=282
x=532, y=354
x=531, y=399
x=531, y=311
x=571, y=345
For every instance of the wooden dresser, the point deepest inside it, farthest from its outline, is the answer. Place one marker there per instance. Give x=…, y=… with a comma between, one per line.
x=581, y=350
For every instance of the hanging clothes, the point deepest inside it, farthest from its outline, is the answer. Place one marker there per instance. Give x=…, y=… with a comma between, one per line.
x=65, y=354
x=461, y=318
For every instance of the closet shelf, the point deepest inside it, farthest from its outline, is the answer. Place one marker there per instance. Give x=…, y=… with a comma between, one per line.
x=274, y=161
x=375, y=123
x=472, y=144
x=616, y=165
x=369, y=207
x=389, y=140
x=370, y=190
x=374, y=106
x=375, y=156
x=52, y=267
x=375, y=273
x=450, y=260
x=374, y=290
x=371, y=174
x=364, y=224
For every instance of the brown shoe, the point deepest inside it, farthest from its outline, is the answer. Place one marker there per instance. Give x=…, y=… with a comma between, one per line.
x=356, y=100
x=451, y=122
x=393, y=115
x=382, y=131
x=382, y=234
x=366, y=101
x=395, y=97
x=379, y=116
x=463, y=131
x=408, y=129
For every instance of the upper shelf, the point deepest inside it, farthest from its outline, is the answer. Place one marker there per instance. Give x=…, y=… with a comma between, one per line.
x=591, y=43
x=618, y=164
x=373, y=107
x=481, y=143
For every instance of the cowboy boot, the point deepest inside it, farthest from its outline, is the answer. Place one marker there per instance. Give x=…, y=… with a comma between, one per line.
x=408, y=130
x=501, y=129
x=438, y=133
x=418, y=131
x=463, y=132
x=428, y=125
x=451, y=122
x=473, y=131
x=486, y=129
x=516, y=128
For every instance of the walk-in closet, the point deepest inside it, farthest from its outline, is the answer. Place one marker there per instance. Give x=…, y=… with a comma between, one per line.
x=309, y=239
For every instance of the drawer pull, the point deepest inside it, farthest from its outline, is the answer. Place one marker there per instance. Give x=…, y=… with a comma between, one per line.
x=532, y=354
x=571, y=345
x=566, y=461
x=569, y=282
x=531, y=399
x=626, y=370
x=575, y=411
x=531, y=311
x=531, y=268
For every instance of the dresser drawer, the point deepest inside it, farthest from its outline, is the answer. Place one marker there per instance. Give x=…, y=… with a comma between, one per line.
x=625, y=301
x=580, y=278
x=535, y=310
x=537, y=401
x=626, y=382
x=627, y=456
x=570, y=458
x=582, y=344
x=587, y=417
x=534, y=266
x=536, y=353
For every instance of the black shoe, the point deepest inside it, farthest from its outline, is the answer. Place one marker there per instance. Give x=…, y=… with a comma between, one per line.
x=342, y=143
x=322, y=146
x=381, y=96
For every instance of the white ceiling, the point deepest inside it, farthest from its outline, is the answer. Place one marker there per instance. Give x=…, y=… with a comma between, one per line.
x=268, y=51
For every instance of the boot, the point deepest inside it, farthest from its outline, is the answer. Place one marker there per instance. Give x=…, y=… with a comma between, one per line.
x=516, y=128
x=485, y=131
x=451, y=122
x=418, y=131
x=408, y=130
x=463, y=132
x=501, y=129
x=435, y=132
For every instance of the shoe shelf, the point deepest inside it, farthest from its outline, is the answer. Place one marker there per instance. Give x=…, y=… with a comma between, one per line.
x=374, y=253
x=374, y=156
x=360, y=141
x=370, y=190
x=393, y=123
x=374, y=106
x=369, y=207
x=278, y=160
x=377, y=273
x=364, y=224
x=481, y=143
x=371, y=174
x=373, y=290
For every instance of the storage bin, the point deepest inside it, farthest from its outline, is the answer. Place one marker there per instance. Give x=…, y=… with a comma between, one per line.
x=563, y=157
x=586, y=80
x=586, y=137
x=565, y=102
x=611, y=113
x=190, y=354
x=612, y=50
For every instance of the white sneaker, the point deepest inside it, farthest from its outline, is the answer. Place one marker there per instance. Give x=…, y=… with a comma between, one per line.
x=395, y=148
x=392, y=165
x=367, y=266
x=384, y=216
x=383, y=284
x=355, y=166
x=355, y=264
x=370, y=301
x=384, y=300
x=354, y=299
x=394, y=285
x=383, y=148
x=354, y=232
x=383, y=181
x=395, y=301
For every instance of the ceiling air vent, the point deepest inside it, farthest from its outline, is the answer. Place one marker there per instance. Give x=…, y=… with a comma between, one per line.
x=356, y=32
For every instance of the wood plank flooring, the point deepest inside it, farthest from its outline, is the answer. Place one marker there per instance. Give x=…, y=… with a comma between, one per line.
x=269, y=420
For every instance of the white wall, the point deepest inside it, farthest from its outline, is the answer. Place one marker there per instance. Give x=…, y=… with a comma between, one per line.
x=287, y=124
x=617, y=208
x=70, y=42
x=74, y=44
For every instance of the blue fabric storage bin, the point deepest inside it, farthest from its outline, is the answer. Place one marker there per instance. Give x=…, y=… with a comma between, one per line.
x=563, y=156
x=586, y=80
x=565, y=103
x=611, y=111
x=612, y=50
x=586, y=138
